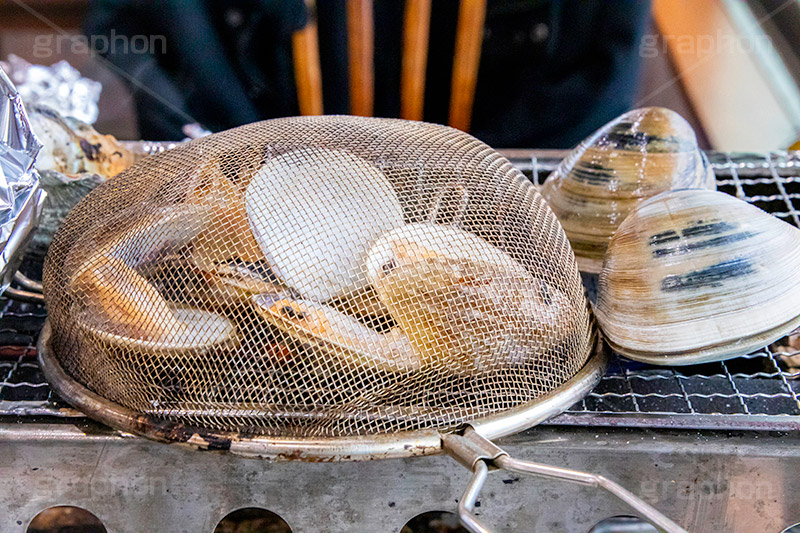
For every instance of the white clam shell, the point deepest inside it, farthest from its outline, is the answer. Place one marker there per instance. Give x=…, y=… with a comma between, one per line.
x=315, y=212
x=636, y=156
x=693, y=276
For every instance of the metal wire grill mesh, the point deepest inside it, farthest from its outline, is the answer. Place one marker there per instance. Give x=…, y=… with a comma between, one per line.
x=316, y=277
x=758, y=390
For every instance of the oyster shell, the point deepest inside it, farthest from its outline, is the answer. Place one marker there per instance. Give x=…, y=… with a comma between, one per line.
x=315, y=212
x=638, y=155
x=694, y=276
x=72, y=147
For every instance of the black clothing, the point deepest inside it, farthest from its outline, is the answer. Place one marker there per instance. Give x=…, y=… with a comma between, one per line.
x=551, y=71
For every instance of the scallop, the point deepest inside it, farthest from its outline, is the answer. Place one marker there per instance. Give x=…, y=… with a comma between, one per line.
x=636, y=156
x=315, y=213
x=693, y=276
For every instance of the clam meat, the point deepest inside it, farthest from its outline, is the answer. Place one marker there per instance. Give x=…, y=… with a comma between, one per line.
x=459, y=305
x=463, y=303
x=121, y=308
x=696, y=275
x=341, y=337
x=118, y=305
x=638, y=155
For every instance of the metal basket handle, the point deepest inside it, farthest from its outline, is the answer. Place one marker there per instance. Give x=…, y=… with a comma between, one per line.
x=479, y=454
x=31, y=291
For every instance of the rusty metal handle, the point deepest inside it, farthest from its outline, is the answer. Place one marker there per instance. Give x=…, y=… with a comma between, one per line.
x=479, y=454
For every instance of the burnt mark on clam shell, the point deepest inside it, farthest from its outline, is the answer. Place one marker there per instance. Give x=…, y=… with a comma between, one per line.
x=712, y=276
x=592, y=173
x=91, y=150
x=663, y=237
x=723, y=231
x=290, y=312
x=702, y=228
x=259, y=270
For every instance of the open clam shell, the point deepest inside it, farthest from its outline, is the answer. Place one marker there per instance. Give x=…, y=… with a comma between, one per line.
x=694, y=276
x=200, y=332
x=315, y=212
x=462, y=302
x=140, y=241
x=636, y=156
x=119, y=307
x=457, y=303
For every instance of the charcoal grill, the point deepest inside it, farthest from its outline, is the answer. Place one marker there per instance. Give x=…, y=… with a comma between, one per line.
x=717, y=410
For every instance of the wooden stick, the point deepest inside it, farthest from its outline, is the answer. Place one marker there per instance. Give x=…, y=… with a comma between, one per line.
x=416, y=30
x=307, y=72
x=469, y=36
x=360, y=41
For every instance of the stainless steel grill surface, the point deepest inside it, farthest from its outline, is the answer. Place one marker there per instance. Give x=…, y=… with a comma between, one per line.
x=758, y=391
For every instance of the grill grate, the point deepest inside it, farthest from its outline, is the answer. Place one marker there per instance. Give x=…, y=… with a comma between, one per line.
x=757, y=391
x=23, y=390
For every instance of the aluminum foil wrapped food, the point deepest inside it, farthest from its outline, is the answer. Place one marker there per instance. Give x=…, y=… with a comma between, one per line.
x=59, y=86
x=21, y=198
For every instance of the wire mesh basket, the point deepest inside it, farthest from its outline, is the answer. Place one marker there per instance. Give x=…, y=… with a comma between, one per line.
x=318, y=277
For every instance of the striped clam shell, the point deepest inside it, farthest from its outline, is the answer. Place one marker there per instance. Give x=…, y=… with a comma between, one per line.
x=636, y=156
x=694, y=276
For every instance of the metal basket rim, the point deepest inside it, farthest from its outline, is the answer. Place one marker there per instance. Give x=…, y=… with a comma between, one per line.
x=318, y=449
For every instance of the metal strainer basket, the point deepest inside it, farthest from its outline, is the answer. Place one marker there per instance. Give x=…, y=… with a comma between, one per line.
x=323, y=288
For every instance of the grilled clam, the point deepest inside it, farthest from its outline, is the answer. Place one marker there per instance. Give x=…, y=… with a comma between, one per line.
x=694, y=276
x=120, y=307
x=462, y=302
x=315, y=212
x=458, y=303
x=144, y=240
x=638, y=155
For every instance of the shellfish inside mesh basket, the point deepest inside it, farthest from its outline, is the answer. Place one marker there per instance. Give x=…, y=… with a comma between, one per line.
x=319, y=276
